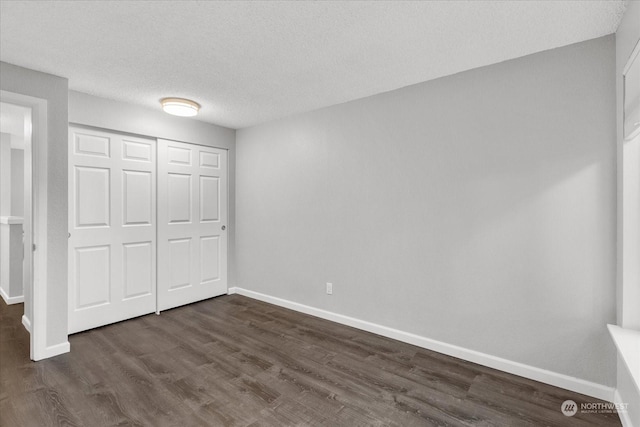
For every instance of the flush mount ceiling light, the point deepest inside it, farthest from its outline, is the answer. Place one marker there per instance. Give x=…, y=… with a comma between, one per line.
x=180, y=106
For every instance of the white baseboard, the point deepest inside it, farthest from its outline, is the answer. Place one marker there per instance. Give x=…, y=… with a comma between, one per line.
x=625, y=419
x=537, y=374
x=11, y=300
x=54, y=350
x=51, y=351
x=26, y=323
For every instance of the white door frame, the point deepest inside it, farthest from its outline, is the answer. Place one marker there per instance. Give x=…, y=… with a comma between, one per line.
x=35, y=290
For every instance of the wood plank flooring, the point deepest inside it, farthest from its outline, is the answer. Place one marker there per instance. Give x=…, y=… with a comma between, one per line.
x=234, y=361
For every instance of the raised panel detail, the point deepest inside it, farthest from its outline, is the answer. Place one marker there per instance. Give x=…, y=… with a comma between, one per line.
x=137, y=197
x=92, y=198
x=136, y=150
x=180, y=263
x=209, y=258
x=92, y=145
x=209, y=198
x=112, y=242
x=179, y=196
x=93, y=276
x=209, y=160
x=179, y=156
x=137, y=267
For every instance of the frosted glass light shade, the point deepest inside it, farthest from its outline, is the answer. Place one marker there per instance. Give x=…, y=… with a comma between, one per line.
x=180, y=107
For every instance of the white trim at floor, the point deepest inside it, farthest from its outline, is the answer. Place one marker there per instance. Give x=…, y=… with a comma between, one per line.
x=537, y=374
x=50, y=351
x=26, y=323
x=55, y=350
x=625, y=420
x=11, y=300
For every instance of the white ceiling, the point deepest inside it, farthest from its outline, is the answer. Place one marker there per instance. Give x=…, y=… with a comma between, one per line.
x=251, y=62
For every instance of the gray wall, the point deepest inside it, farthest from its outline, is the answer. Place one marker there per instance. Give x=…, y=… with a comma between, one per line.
x=5, y=188
x=17, y=182
x=5, y=177
x=108, y=114
x=55, y=91
x=627, y=36
x=476, y=209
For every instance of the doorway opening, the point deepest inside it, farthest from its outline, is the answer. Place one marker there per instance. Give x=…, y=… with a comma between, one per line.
x=15, y=135
x=29, y=125
x=15, y=206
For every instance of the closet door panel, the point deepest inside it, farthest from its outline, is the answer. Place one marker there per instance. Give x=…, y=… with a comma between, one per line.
x=112, y=227
x=192, y=215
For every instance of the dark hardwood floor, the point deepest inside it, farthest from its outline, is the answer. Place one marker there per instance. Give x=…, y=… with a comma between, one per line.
x=235, y=361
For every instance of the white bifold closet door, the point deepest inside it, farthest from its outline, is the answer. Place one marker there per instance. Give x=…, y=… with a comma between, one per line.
x=112, y=227
x=192, y=220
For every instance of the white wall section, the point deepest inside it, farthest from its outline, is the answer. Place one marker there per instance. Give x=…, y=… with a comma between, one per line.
x=476, y=210
x=627, y=38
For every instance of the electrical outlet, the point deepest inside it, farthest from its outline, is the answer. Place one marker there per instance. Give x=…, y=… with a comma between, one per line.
x=329, y=288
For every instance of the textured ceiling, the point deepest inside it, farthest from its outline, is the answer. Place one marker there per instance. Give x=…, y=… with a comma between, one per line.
x=250, y=62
